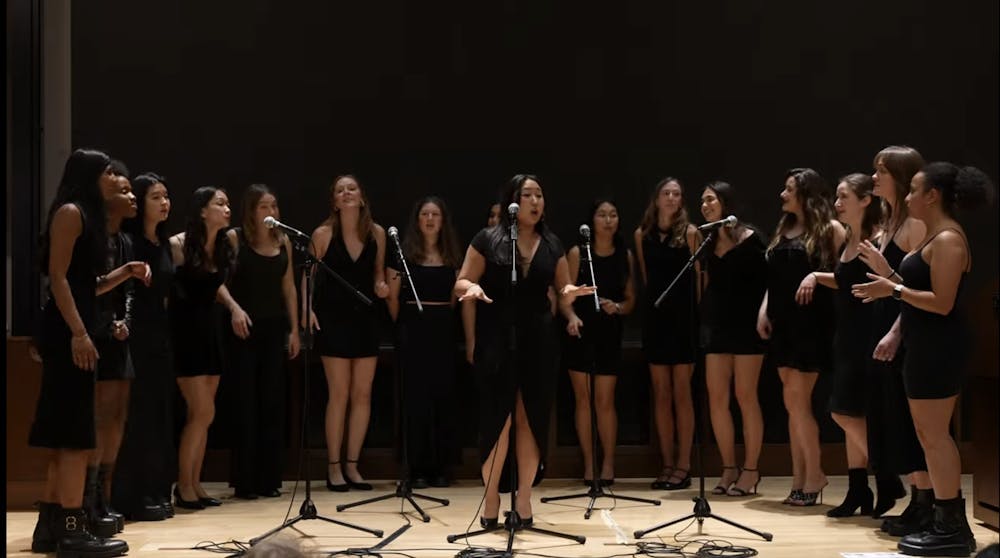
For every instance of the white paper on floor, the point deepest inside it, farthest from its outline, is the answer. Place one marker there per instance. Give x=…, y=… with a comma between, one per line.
x=620, y=536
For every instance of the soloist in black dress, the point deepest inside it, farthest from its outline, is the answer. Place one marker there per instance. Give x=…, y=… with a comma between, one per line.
x=516, y=342
x=348, y=328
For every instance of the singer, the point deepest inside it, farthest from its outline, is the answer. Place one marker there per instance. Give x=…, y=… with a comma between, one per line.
x=664, y=243
x=528, y=382
x=427, y=340
x=735, y=282
x=807, y=239
x=593, y=344
x=264, y=332
x=347, y=336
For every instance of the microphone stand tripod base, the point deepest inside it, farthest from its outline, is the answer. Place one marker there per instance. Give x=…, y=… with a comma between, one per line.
x=405, y=491
x=702, y=511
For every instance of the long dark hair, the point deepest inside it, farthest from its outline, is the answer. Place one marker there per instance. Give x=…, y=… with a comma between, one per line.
x=447, y=243
x=680, y=221
x=810, y=190
x=80, y=186
x=195, y=235
x=902, y=162
x=140, y=187
x=250, y=200
x=511, y=192
x=617, y=240
x=730, y=204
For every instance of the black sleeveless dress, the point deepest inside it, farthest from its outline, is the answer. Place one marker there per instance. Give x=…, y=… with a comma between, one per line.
x=937, y=346
x=736, y=284
x=348, y=328
x=531, y=366
x=194, y=321
x=427, y=357
x=64, y=414
x=146, y=462
x=666, y=331
x=801, y=336
x=893, y=447
x=852, y=347
x=598, y=350
x=116, y=358
x=258, y=366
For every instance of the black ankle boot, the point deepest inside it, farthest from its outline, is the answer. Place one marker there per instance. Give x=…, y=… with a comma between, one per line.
x=918, y=515
x=949, y=535
x=43, y=540
x=889, y=489
x=99, y=524
x=103, y=504
x=74, y=541
x=858, y=495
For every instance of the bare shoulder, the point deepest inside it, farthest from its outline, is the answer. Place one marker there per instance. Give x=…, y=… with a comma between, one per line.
x=378, y=231
x=67, y=216
x=637, y=235
x=574, y=252
x=177, y=248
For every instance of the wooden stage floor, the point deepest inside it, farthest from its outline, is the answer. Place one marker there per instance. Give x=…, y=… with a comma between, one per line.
x=798, y=532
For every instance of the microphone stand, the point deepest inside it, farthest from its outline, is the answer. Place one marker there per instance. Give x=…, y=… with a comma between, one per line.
x=701, y=508
x=308, y=508
x=513, y=523
x=596, y=488
x=404, y=489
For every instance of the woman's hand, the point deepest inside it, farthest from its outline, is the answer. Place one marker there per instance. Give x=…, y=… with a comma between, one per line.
x=804, y=294
x=475, y=292
x=573, y=326
x=571, y=292
x=241, y=323
x=886, y=349
x=84, y=352
x=874, y=259
x=312, y=324
x=381, y=289
x=763, y=326
x=610, y=307
x=879, y=287
x=140, y=270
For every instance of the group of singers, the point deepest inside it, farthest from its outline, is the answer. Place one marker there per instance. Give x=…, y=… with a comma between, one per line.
x=863, y=288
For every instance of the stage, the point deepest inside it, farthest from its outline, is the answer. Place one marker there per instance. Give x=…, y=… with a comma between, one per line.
x=798, y=532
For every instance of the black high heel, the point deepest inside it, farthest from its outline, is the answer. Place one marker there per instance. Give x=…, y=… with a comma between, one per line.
x=356, y=485
x=739, y=492
x=859, y=496
x=719, y=488
x=186, y=504
x=809, y=498
x=660, y=483
x=489, y=522
x=335, y=487
x=795, y=494
x=685, y=481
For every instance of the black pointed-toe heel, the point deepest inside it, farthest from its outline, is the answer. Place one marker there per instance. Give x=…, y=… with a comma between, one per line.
x=792, y=496
x=660, y=483
x=356, y=485
x=186, y=504
x=684, y=482
x=335, y=487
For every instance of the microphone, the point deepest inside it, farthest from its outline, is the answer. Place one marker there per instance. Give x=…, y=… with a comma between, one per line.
x=512, y=210
x=394, y=234
x=585, y=232
x=728, y=222
x=271, y=223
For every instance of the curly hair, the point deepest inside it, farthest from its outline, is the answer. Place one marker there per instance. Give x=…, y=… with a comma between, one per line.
x=811, y=192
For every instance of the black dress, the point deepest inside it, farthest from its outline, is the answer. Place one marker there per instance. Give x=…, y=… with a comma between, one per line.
x=348, y=328
x=937, y=345
x=194, y=321
x=258, y=367
x=531, y=366
x=893, y=447
x=801, y=335
x=146, y=462
x=598, y=350
x=64, y=415
x=736, y=284
x=116, y=359
x=666, y=331
x=852, y=347
x=427, y=353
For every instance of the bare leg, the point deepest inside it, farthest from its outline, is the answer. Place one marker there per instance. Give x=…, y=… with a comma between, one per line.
x=491, y=472
x=338, y=385
x=747, y=375
x=684, y=412
x=210, y=388
x=581, y=393
x=718, y=376
x=72, y=472
x=200, y=399
x=528, y=457
x=52, y=478
x=607, y=422
x=799, y=401
x=663, y=413
x=362, y=375
x=798, y=458
x=855, y=439
x=931, y=417
x=110, y=413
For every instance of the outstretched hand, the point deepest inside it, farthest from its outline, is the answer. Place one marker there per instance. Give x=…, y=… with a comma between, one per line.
x=475, y=292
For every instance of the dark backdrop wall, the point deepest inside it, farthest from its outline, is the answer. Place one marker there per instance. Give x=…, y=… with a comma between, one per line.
x=454, y=97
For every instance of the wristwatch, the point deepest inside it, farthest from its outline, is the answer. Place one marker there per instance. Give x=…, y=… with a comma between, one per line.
x=897, y=291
